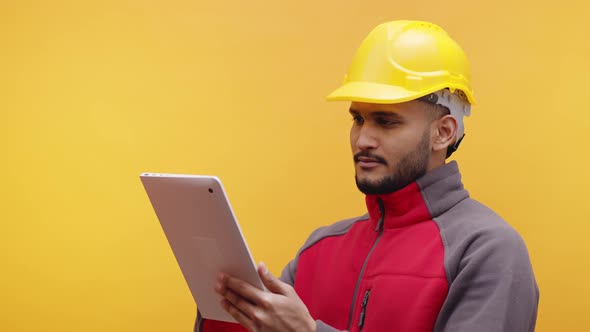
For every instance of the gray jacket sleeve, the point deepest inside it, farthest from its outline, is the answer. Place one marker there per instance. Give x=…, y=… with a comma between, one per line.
x=198, y=322
x=491, y=282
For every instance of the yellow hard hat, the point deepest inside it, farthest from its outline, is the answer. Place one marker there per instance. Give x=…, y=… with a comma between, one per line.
x=404, y=60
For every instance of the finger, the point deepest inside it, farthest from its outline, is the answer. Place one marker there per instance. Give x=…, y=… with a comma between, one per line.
x=237, y=314
x=271, y=282
x=241, y=303
x=254, y=314
x=221, y=286
x=242, y=288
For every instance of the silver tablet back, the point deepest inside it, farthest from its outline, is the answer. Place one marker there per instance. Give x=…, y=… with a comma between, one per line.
x=203, y=233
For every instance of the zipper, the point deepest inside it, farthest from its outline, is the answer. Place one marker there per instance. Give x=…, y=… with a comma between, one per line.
x=379, y=229
x=364, y=309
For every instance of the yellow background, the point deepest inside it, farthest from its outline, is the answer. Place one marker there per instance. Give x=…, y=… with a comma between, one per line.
x=94, y=92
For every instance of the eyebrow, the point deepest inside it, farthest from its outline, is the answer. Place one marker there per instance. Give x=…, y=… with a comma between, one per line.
x=378, y=113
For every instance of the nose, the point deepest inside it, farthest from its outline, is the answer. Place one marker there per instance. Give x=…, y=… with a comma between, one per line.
x=366, y=139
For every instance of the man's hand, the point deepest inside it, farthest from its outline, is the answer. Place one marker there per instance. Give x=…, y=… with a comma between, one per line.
x=259, y=311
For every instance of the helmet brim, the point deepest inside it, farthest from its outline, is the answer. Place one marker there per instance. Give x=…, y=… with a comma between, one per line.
x=369, y=92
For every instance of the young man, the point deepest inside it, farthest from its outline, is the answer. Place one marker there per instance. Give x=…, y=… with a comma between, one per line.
x=426, y=256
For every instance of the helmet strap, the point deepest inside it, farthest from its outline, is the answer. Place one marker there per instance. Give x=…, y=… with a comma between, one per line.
x=454, y=147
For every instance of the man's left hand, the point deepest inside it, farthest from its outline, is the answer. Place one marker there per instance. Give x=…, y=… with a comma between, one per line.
x=280, y=309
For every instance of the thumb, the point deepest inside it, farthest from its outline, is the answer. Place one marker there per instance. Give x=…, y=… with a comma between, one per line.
x=270, y=281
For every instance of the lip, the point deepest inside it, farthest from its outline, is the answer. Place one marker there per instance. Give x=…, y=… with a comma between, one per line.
x=368, y=164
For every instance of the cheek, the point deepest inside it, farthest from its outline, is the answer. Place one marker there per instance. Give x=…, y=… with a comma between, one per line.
x=353, y=137
x=398, y=146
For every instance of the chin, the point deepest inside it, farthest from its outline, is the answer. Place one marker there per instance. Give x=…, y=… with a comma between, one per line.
x=370, y=177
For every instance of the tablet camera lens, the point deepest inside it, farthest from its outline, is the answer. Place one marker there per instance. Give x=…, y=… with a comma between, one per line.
x=210, y=190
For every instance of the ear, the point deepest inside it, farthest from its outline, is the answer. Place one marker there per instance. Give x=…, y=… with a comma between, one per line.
x=444, y=131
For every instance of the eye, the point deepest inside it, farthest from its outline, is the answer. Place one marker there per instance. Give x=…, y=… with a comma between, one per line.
x=386, y=122
x=357, y=119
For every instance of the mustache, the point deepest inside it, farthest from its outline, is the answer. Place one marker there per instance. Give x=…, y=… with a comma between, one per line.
x=367, y=154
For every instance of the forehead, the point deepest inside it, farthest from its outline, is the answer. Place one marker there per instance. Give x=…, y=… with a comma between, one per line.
x=411, y=109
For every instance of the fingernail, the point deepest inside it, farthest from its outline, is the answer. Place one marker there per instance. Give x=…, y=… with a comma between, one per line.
x=264, y=269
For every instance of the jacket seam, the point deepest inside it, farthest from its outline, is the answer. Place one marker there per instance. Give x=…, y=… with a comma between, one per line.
x=343, y=232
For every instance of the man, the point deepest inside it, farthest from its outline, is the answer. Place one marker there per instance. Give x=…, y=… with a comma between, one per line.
x=426, y=257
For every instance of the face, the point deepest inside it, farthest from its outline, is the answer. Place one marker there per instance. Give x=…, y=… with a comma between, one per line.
x=390, y=145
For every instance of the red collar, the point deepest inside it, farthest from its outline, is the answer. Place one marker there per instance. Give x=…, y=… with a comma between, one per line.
x=402, y=208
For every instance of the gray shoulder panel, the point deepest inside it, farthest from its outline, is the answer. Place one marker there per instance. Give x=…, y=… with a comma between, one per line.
x=491, y=281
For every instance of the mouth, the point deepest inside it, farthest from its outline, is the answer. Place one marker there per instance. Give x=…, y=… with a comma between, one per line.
x=367, y=162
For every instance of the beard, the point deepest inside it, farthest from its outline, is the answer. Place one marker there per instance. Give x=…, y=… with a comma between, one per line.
x=411, y=167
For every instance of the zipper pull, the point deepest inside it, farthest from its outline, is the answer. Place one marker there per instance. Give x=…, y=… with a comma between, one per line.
x=364, y=309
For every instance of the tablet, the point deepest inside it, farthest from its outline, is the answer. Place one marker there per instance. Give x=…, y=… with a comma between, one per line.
x=203, y=233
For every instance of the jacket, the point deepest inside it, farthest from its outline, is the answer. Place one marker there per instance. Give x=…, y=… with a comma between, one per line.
x=424, y=258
